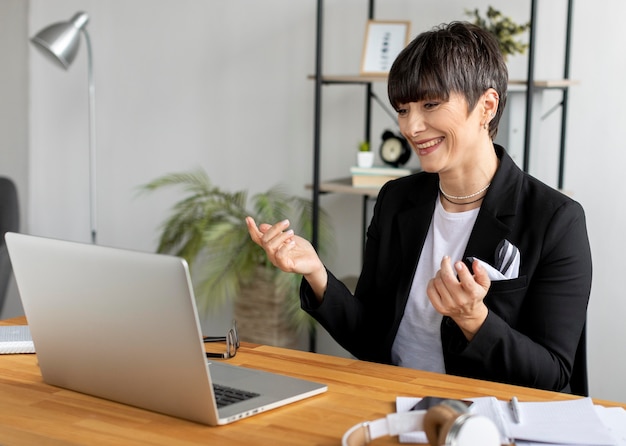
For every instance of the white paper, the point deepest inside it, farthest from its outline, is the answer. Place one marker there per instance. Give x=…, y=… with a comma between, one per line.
x=573, y=422
x=15, y=339
x=404, y=404
x=614, y=418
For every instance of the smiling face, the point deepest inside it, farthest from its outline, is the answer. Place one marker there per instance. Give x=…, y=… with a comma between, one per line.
x=444, y=134
x=455, y=59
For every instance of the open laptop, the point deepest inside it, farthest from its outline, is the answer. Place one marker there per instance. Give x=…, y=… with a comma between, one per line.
x=123, y=325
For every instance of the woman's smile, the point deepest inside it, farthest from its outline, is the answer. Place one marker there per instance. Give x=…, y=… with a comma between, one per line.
x=423, y=148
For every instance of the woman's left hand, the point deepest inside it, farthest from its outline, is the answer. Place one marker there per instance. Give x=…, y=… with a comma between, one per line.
x=456, y=293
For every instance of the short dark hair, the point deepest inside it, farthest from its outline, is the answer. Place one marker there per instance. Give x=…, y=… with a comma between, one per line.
x=456, y=57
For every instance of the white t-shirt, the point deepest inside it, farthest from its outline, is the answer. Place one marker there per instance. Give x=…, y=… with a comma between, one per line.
x=418, y=342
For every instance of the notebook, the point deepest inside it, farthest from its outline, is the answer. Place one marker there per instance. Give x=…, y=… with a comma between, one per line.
x=123, y=325
x=15, y=339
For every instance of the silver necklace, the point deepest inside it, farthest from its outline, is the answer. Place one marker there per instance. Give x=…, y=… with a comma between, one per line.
x=454, y=197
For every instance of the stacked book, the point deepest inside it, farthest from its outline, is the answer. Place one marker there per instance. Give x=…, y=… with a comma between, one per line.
x=377, y=176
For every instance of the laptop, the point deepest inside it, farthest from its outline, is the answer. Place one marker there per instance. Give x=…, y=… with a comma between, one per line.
x=123, y=325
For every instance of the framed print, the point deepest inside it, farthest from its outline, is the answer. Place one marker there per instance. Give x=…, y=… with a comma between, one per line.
x=383, y=41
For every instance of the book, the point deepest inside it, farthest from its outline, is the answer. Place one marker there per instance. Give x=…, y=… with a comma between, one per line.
x=378, y=175
x=15, y=339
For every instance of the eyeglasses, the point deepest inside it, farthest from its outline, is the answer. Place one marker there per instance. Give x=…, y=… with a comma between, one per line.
x=232, y=343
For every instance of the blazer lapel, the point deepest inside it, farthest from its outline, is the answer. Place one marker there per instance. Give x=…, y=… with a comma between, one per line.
x=418, y=217
x=497, y=211
x=487, y=233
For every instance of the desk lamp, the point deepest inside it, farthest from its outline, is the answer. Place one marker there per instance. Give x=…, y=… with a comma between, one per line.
x=59, y=42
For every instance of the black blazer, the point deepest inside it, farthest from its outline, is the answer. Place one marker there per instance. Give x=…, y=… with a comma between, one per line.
x=535, y=322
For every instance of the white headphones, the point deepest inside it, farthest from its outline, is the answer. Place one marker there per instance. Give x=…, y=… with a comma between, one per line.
x=447, y=424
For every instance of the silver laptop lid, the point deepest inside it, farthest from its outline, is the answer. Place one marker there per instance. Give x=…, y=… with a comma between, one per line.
x=114, y=323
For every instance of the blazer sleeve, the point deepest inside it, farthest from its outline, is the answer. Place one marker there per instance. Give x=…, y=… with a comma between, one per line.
x=345, y=318
x=535, y=322
x=364, y=323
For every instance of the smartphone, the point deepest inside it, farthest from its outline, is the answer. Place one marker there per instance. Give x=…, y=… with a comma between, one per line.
x=429, y=401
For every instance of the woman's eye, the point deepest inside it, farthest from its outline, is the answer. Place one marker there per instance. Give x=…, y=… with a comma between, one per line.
x=430, y=105
x=401, y=111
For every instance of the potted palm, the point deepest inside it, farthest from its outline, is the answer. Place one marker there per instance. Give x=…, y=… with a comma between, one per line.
x=207, y=229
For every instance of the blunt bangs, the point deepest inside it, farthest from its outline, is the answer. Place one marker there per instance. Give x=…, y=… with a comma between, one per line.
x=418, y=75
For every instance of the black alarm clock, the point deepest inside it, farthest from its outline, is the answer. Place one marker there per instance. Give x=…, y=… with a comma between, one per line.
x=394, y=149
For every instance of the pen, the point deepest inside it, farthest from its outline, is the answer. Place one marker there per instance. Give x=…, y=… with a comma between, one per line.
x=516, y=410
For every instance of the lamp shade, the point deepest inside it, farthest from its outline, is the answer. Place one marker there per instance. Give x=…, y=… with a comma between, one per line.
x=60, y=41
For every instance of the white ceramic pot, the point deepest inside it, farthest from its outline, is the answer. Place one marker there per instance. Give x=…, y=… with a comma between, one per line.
x=365, y=159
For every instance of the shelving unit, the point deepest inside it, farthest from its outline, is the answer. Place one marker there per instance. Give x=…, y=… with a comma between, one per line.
x=341, y=186
x=531, y=85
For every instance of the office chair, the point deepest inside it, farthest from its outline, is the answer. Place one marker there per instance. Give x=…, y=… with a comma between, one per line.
x=9, y=221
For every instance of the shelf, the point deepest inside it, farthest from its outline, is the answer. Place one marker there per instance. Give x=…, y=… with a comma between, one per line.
x=344, y=186
x=551, y=83
x=358, y=79
x=350, y=79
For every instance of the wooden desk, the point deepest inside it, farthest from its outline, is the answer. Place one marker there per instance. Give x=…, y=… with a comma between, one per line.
x=32, y=412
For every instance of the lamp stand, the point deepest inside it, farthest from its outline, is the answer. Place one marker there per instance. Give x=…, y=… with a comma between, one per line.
x=92, y=142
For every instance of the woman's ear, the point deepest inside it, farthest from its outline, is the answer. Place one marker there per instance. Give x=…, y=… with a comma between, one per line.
x=490, y=101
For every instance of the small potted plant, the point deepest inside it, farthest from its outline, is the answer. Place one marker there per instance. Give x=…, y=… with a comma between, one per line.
x=207, y=228
x=503, y=27
x=365, y=157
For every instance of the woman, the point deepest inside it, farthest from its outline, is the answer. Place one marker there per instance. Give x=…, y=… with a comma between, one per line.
x=471, y=267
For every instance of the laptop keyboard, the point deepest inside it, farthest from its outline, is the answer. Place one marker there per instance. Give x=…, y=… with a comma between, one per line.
x=225, y=396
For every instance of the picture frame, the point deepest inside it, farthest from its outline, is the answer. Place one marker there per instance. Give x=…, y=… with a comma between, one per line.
x=384, y=39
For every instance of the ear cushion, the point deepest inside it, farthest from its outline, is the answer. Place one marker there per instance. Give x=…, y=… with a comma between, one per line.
x=437, y=423
x=453, y=418
x=476, y=429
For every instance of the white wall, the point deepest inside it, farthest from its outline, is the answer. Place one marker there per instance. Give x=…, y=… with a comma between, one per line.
x=223, y=85
x=595, y=171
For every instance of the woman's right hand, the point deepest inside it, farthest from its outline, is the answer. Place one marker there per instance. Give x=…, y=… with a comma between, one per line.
x=289, y=252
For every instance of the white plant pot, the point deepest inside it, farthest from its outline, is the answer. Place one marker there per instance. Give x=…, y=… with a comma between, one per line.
x=365, y=159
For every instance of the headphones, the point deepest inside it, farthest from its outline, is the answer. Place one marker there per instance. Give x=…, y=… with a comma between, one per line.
x=446, y=424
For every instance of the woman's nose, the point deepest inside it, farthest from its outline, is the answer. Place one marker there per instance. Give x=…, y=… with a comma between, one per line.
x=414, y=125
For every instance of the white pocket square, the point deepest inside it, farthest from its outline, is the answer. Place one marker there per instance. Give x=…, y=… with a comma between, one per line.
x=493, y=273
x=507, y=259
x=507, y=262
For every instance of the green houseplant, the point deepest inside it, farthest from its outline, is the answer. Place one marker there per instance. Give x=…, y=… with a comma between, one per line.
x=207, y=228
x=503, y=27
